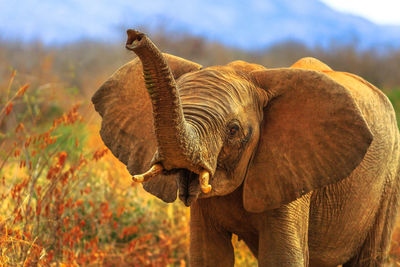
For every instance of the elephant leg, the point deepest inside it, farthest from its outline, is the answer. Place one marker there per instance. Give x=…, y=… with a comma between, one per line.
x=375, y=249
x=284, y=235
x=210, y=245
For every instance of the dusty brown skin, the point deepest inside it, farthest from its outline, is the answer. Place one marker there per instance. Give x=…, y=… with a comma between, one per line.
x=303, y=161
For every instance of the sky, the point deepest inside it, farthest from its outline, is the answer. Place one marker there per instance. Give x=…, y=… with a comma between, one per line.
x=306, y=21
x=381, y=12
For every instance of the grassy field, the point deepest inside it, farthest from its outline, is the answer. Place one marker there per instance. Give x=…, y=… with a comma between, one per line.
x=64, y=199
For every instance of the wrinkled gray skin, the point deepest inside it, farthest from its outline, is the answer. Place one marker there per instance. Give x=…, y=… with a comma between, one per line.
x=304, y=161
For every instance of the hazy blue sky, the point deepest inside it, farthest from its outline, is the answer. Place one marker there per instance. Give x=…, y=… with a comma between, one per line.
x=378, y=11
x=231, y=22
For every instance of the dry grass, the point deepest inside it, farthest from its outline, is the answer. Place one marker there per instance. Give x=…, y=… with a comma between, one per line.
x=65, y=199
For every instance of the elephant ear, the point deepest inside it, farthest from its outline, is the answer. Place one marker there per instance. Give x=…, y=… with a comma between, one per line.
x=127, y=126
x=312, y=135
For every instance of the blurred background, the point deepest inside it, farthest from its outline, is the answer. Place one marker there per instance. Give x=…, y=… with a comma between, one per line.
x=64, y=199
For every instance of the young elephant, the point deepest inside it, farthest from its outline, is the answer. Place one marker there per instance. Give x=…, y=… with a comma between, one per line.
x=301, y=163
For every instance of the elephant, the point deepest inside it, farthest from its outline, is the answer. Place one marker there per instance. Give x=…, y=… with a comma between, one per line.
x=301, y=163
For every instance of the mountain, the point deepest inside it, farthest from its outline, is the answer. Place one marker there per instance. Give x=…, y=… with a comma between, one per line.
x=251, y=24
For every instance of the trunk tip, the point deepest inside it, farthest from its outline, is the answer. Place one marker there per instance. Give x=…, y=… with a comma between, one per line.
x=134, y=38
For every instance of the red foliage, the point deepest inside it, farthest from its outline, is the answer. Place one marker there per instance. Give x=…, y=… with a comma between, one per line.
x=22, y=89
x=61, y=158
x=9, y=108
x=60, y=212
x=98, y=154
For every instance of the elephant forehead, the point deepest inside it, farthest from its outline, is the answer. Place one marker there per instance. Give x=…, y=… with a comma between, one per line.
x=223, y=89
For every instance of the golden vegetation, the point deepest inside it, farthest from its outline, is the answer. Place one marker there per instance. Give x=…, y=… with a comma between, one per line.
x=64, y=199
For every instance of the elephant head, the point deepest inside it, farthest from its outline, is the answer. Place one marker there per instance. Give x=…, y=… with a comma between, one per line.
x=278, y=133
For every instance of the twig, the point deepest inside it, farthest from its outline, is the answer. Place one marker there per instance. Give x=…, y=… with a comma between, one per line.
x=10, y=83
x=6, y=159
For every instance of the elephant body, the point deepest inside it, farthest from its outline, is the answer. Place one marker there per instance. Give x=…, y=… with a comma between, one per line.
x=348, y=222
x=303, y=162
x=329, y=228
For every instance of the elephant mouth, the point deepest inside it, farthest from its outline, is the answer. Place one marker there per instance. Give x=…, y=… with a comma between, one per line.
x=190, y=184
x=189, y=187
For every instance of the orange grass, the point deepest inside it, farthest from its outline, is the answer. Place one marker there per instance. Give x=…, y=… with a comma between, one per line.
x=65, y=199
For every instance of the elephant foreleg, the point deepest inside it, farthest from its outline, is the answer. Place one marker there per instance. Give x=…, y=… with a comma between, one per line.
x=284, y=235
x=210, y=245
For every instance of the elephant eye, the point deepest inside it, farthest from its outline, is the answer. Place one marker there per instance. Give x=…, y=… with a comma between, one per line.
x=233, y=130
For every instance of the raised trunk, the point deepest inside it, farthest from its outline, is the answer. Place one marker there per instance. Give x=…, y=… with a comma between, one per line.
x=176, y=139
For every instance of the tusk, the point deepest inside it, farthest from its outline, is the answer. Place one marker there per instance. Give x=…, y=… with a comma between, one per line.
x=153, y=171
x=204, y=178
